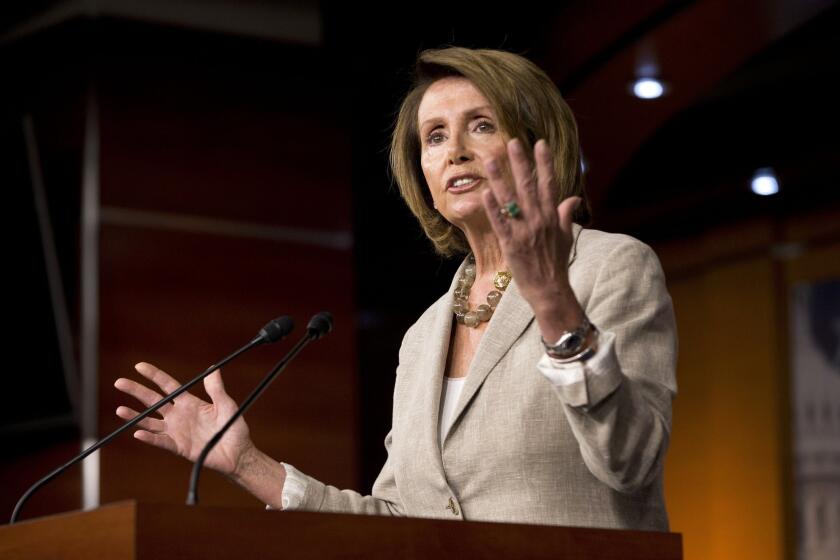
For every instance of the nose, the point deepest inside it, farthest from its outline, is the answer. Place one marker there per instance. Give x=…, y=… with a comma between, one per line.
x=458, y=150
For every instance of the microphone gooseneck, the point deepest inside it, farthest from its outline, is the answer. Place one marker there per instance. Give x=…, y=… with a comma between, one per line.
x=319, y=326
x=271, y=332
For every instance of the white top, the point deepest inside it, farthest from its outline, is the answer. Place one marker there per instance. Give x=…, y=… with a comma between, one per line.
x=450, y=393
x=559, y=374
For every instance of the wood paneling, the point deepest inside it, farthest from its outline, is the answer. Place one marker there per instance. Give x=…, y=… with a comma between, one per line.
x=223, y=142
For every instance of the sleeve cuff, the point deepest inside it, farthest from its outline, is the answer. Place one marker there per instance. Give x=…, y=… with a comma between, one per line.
x=584, y=384
x=294, y=488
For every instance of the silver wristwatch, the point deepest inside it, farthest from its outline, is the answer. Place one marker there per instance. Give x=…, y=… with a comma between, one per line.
x=572, y=343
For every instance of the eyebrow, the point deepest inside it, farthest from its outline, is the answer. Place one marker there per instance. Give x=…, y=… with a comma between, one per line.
x=468, y=112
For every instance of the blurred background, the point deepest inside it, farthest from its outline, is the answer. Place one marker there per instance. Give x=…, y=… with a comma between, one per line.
x=177, y=173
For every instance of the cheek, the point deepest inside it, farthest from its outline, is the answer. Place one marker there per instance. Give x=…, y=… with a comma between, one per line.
x=494, y=149
x=430, y=183
x=500, y=151
x=427, y=165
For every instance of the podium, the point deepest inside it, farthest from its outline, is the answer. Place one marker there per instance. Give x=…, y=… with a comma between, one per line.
x=140, y=531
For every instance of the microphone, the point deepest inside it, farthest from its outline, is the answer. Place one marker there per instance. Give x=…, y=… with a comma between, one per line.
x=319, y=326
x=272, y=332
x=275, y=330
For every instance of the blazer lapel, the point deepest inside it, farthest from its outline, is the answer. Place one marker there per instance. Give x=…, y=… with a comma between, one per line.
x=431, y=366
x=509, y=321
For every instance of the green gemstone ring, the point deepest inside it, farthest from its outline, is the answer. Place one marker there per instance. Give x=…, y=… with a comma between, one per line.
x=511, y=210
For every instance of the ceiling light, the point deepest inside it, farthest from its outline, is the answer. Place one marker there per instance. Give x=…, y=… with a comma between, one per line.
x=764, y=182
x=648, y=88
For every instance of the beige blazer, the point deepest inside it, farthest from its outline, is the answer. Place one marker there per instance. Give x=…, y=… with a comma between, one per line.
x=522, y=449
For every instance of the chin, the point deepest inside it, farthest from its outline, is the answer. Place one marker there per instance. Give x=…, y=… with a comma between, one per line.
x=463, y=214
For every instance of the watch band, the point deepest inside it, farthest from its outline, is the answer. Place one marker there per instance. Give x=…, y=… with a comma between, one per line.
x=572, y=344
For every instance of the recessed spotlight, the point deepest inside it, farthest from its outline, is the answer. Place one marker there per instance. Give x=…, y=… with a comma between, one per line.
x=764, y=182
x=648, y=88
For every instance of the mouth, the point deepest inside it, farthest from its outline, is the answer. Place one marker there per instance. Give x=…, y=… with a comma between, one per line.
x=463, y=183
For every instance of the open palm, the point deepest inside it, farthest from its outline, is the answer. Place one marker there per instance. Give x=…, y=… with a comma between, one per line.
x=186, y=425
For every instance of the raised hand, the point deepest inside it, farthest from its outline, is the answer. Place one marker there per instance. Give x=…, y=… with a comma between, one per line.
x=185, y=426
x=537, y=242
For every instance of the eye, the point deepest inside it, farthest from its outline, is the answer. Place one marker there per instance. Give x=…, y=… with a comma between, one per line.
x=485, y=126
x=435, y=137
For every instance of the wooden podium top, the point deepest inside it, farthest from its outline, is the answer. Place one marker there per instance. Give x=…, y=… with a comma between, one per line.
x=131, y=530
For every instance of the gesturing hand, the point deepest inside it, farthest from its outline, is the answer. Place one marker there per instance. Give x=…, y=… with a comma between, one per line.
x=535, y=244
x=187, y=425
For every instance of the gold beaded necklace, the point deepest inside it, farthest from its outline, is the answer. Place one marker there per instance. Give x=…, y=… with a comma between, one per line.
x=461, y=306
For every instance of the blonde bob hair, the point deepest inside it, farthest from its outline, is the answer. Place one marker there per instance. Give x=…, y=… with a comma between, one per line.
x=528, y=106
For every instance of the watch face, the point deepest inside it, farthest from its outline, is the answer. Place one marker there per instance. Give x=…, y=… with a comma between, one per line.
x=571, y=344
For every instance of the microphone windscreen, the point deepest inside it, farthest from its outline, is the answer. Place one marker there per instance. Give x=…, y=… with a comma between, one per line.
x=277, y=329
x=320, y=324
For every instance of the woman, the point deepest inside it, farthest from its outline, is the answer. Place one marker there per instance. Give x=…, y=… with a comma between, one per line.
x=541, y=399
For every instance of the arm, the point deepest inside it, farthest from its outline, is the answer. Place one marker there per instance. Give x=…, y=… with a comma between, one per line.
x=185, y=426
x=383, y=500
x=619, y=402
x=620, y=410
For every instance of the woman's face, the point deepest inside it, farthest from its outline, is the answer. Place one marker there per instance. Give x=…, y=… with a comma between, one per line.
x=459, y=133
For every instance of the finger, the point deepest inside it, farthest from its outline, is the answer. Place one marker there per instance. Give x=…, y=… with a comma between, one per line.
x=499, y=223
x=139, y=392
x=547, y=186
x=166, y=382
x=566, y=213
x=215, y=387
x=496, y=179
x=523, y=176
x=148, y=423
x=158, y=440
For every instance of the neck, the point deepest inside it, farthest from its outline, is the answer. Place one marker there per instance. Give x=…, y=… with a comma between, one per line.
x=486, y=250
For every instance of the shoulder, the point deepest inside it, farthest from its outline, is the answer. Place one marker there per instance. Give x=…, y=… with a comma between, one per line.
x=615, y=267
x=598, y=252
x=425, y=321
x=418, y=332
x=591, y=243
